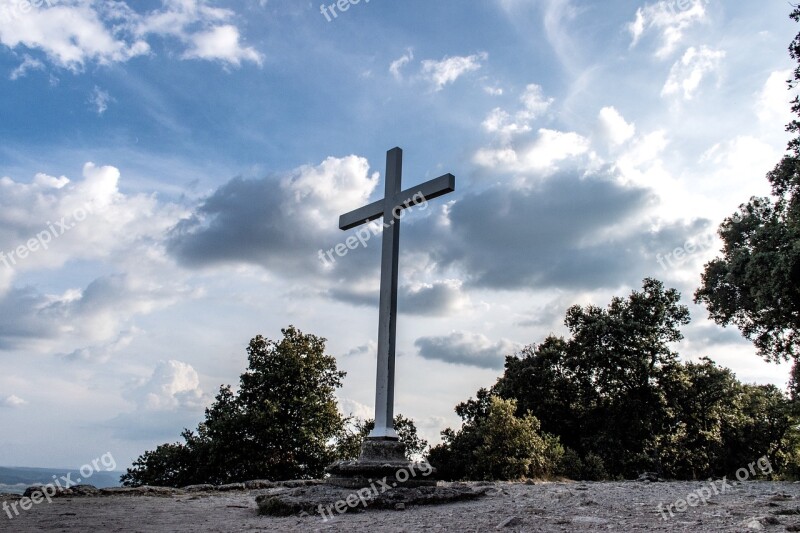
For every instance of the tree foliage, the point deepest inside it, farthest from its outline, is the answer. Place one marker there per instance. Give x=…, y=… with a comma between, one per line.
x=618, y=400
x=281, y=424
x=495, y=443
x=755, y=285
x=601, y=390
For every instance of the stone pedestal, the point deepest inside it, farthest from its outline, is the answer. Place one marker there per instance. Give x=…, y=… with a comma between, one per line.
x=382, y=459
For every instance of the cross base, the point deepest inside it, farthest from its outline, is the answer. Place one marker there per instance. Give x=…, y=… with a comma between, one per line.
x=384, y=459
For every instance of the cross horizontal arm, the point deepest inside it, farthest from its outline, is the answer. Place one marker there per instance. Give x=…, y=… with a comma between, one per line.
x=362, y=215
x=428, y=190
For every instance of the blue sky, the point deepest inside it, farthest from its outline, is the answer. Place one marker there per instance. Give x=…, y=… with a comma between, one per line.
x=198, y=154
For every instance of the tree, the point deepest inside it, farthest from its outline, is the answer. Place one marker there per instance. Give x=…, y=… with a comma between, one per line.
x=349, y=444
x=621, y=402
x=755, y=285
x=494, y=443
x=281, y=424
x=599, y=390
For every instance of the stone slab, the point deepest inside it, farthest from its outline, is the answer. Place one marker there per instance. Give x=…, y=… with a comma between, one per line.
x=329, y=500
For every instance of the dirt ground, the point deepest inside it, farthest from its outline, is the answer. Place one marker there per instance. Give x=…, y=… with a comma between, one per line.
x=623, y=506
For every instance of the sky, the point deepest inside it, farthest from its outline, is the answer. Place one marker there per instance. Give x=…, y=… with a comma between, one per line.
x=170, y=171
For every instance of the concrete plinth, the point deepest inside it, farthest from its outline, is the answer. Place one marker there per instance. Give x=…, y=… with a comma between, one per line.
x=381, y=459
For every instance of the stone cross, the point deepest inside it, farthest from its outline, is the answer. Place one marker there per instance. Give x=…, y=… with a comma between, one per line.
x=390, y=208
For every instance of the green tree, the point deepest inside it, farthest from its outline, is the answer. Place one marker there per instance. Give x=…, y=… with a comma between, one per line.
x=622, y=403
x=349, y=444
x=599, y=390
x=495, y=443
x=755, y=285
x=281, y=424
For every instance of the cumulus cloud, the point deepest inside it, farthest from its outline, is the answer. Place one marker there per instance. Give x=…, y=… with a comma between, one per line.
x=169, y=399
x=72, y=33
x=567, y=232
x=728, y=169
x=449, y=69
x=12, y=402
x=279, y=222
x=51, y=221
x=468, y=349
x=506, y=126
x=96, y=314
x=221, y=44
x=670, y=20
x=172, y=385
x=534, y=102
x=349, y=407
x=542, y=155
x=773, y=103
x=688, y=72
x=614, y=128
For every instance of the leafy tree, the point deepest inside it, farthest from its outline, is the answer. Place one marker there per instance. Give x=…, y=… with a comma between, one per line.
x=494, y=443
x=281, y=424
x=621, y=402
x=349, y=444
x=755, y=285
x=599, y=391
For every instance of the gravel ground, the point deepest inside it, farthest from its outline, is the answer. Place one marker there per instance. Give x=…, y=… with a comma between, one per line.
x=623, y=506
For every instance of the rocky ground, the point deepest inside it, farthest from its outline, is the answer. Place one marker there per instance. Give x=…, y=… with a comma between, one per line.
x=623, y=506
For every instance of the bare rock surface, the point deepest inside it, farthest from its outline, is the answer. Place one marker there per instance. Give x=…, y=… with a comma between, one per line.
x=327, y=500
x=567, y=506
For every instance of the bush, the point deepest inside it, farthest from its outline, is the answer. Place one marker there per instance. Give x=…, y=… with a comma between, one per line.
x=571, y=465
x=494, y=443
x=593, y=468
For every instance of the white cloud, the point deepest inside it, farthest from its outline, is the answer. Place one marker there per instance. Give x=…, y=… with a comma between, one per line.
x=614, y=128
x=222, y=44
x=53, y=221
x=105, y=351
x=74, y=32
x=99, y=100
x=169, y=399
x=28, y=63
x=83, y=219
x=70, y=34
x=501, y=122
x=688, y=72
x=356, y=409
x=541, y=155
x=534, y=102
x=172, y=385
x=449, y=69
x=398, y=64
x=669, y=19
x=773, y=104
x=745, y=155
x=12, y=402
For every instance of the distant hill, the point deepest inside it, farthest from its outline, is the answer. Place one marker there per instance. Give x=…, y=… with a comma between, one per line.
x=16, y=479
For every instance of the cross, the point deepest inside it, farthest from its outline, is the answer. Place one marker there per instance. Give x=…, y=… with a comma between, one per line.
x=390, y=208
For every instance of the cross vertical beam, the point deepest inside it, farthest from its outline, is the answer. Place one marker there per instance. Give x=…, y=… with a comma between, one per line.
x=387, y=316
x=395, y=200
